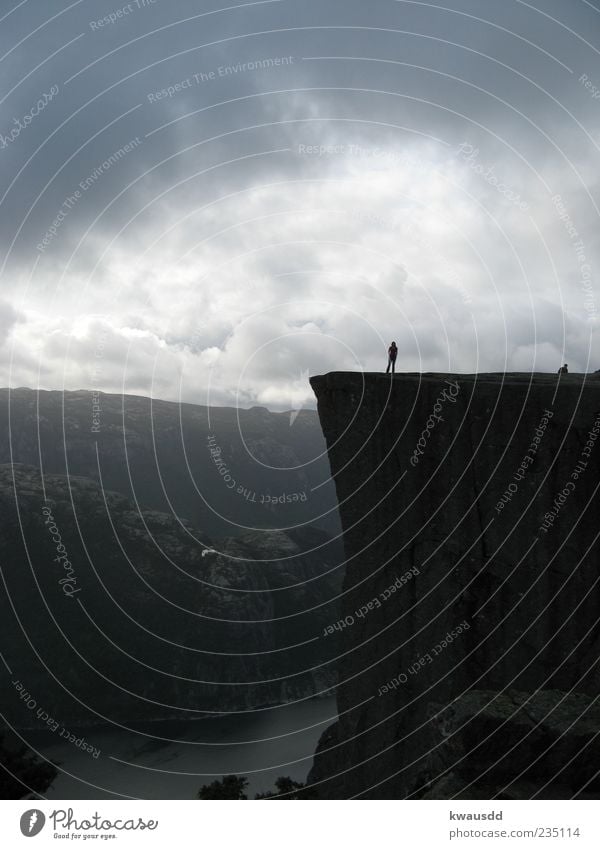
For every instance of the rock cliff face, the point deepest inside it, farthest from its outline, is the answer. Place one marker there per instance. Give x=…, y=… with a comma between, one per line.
x=223, y=469
x=114, y=614
x=470, y=623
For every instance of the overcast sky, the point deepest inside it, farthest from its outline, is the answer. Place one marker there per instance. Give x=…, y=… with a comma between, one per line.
x=280, y=188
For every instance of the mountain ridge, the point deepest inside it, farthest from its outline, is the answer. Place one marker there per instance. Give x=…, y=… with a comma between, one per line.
x=164, y=455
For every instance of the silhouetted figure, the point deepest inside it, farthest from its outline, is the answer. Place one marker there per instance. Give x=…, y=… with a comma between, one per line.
x=392, y=354
x=564, y=369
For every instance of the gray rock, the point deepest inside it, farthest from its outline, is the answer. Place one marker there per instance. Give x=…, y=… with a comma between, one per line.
x=513, y=745
x=157, y=453
x=500, y=596
x=143, y=626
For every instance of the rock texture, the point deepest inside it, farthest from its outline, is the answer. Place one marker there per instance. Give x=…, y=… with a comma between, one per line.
x=512, y=745
x=157, y=453
x=475, y=497
x=114, y=614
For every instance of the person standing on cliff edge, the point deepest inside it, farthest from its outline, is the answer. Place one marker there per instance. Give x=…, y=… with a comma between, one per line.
x=392, y=354
x=564, y=369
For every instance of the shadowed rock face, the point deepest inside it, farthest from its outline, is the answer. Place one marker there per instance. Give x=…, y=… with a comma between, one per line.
x=223, y=469
x=469, y=506
x=114, y=614
x=513, y=745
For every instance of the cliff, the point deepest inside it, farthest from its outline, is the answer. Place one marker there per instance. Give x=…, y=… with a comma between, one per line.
x=469, y=633
x=223, y=469
x=114, y=614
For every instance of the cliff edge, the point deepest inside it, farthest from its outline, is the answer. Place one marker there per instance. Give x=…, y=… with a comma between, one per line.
x=469, y=632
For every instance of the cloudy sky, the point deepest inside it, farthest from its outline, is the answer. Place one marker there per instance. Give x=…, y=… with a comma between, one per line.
x=209, y=202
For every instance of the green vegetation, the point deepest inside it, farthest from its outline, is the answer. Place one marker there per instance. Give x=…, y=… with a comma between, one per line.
x=234, y=787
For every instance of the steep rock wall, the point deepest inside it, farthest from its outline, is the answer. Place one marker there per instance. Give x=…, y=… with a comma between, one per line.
x=110, y=614
x=469, y=507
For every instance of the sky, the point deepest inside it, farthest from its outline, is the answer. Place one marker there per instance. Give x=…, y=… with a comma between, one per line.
x=210, y=202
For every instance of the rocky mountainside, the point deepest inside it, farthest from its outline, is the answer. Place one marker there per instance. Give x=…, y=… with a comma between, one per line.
x=110, y=613
x=225, y=470
x=469, y=626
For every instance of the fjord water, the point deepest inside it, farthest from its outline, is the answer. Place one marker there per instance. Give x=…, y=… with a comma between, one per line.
x=172, y=760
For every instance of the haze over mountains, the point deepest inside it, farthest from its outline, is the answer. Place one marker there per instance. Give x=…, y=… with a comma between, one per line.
x=157, y=453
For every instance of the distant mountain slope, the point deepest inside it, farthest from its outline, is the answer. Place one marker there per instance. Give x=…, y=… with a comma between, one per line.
x=140, y=616
x=223, y=469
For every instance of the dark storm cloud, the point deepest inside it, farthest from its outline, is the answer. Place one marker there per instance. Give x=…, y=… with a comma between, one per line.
x=167, y=184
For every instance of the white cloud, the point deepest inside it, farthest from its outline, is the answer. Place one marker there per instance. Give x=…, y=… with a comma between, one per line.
x=318, y=274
